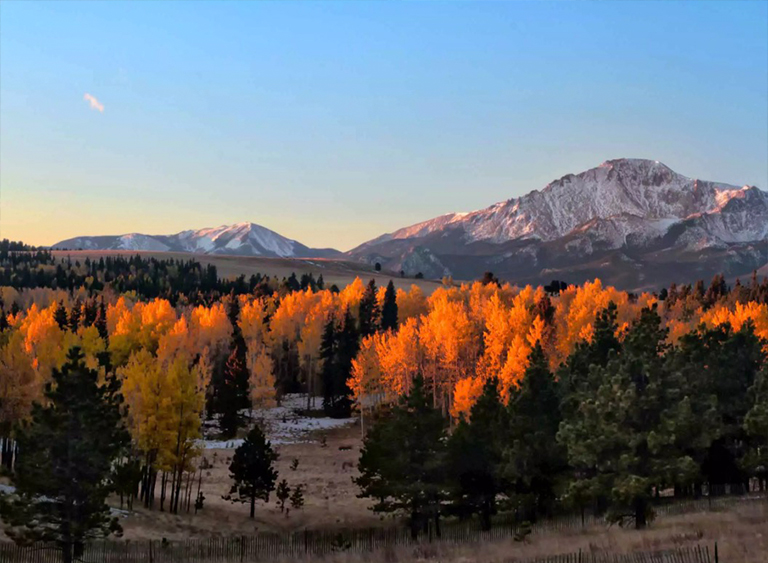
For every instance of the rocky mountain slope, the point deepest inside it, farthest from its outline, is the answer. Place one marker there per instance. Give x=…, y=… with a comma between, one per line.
x=246, y=239
x=635, y=223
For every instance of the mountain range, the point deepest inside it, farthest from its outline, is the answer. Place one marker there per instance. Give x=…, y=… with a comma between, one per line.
x=634, y=223
x=241, y=239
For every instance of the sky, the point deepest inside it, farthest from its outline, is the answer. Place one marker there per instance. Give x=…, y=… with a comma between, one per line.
x=334, y=122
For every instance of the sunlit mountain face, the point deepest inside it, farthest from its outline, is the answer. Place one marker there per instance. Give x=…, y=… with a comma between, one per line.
x=633, y=222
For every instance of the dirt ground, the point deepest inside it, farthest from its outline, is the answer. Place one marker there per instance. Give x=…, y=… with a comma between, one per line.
x=325, y=471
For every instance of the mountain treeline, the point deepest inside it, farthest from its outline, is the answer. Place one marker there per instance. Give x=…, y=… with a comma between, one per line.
x=186, y=281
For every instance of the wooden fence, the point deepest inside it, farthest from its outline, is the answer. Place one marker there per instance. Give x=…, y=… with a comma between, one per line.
x=698, y=554
x=261, y=549
x=311, y=543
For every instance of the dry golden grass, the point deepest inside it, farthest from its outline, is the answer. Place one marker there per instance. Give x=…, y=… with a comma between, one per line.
x=331, y=502
x=330, y=495
x=741, y=534
x=334, y=271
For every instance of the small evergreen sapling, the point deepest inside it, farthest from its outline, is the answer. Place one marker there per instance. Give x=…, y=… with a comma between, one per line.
x=252, y=470
x=297, y=497
x=283, y=494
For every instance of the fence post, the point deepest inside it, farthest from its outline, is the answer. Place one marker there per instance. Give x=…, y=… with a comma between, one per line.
x=717, y=558
x=306, y=540
x=150, y=551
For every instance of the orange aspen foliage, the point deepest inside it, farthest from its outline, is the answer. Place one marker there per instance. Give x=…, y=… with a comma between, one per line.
x=410, y=304
x=467, y=391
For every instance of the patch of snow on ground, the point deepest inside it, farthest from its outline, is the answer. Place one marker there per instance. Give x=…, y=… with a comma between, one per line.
x=10, y=489
x=286, y=424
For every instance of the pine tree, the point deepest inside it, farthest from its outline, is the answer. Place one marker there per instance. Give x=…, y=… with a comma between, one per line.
x=389, y=308
x=60, y=316
x=233, y=395
x=621, y=437
x=574, y=374
x=297, y=497
x=252, y=470
x=535, y=463
x=369, y=310
x=328, y=347
x=756, y=427
x=74, y=317
x=718, y=367
x=402, y=461
x=283, y=493
x=475, y=455
x=101, y=320
x=67, y=452
x=338, y=347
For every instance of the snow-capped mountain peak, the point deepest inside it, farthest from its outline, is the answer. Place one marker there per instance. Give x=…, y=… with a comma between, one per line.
x=626, y=203
x=246, y=238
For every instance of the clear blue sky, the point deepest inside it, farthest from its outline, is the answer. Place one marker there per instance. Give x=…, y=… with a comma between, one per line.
x=332, y=123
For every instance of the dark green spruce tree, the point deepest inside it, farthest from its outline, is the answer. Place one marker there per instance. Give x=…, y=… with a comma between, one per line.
x=475, y=454
x=402, y=463
x=621, y=438
x=535, y=464
x=338, y=347
x=67, y=452
x=253, y=470
x=60, y=316
x=369, y=311
x=755, y=460
x=389, y=308
x=233, y=395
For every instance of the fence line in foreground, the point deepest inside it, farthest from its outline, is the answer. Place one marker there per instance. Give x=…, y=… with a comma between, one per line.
x=251, y=550
x=310, y=543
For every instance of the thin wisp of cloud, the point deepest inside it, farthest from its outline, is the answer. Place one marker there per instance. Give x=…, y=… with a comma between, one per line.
x=94, y=103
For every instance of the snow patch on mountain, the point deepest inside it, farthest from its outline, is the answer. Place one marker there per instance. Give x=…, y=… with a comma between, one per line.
x=246, y=238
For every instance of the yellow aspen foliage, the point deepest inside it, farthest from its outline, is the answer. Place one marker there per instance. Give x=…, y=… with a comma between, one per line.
x=467, y=391
x=253, y=322
x=380, y=291
x=210, y=328
x=351, y=296
x=146, y=390
x=365, y=379
x=185, y=403
x=92, y=344
x=738, y=315
x=399, y=358
x=262, y=380
x=177, y=342
x=410, y=304
x=44, y=341
x=514, y=367
x=115, y=314
x=20, y=385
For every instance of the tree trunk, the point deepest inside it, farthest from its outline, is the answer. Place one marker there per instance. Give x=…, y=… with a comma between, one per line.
x=485, y=515
x=640, y=506
x=163, y=480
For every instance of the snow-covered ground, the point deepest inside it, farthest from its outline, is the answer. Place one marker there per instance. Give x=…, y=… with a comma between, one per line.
x=285, y=424
x=10, y=489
